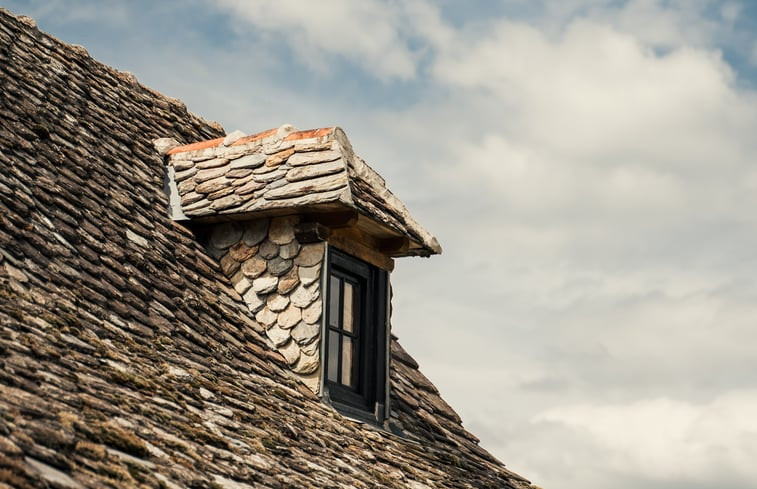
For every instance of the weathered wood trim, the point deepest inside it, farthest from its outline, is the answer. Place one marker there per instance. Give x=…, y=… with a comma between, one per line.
x=347, y=240
x=334, y=220
x=394, y=246
x=311, y=232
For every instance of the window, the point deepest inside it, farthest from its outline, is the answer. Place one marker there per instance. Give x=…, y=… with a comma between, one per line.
x=356, y=337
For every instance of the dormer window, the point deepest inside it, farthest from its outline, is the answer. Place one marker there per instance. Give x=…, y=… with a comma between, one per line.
x=356, y=337
x=306, y=232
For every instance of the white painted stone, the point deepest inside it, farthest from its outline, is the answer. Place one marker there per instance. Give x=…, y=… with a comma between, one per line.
x=303, y=295
x=264, y=284
x=304, y=333
x=277, y=335
x=281, y=230
x=277, y=302
x=312, y=313
x=266, y=317
x=310, y=254
x=290, y=316
x=308, y=275
x=291, y=352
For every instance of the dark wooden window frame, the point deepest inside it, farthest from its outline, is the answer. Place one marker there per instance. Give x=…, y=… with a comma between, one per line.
x=367, y=399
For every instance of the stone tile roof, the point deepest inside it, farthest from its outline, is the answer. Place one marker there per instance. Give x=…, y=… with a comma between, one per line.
x=286, y=168
x=126, y=359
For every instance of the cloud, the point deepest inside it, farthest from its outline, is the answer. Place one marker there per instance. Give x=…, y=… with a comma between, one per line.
x=587, y=165
x=597, y=238
x=80, y=11
x=670, y=439
x=371, y=34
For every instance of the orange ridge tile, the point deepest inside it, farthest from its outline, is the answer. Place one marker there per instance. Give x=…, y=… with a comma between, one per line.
x=256, y=136
x=312, y=133
x=196, y=146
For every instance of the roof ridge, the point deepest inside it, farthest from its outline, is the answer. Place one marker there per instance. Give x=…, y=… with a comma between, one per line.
x=274, y=133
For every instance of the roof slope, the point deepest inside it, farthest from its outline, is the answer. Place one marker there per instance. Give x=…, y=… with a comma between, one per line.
x=285, y=169
x=125, y=358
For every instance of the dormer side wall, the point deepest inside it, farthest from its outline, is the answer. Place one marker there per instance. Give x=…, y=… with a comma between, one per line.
x=279, y=280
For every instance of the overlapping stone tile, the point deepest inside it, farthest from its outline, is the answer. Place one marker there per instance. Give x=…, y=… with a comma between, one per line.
x=130, y=363
x=283, y=295
x=286, y=168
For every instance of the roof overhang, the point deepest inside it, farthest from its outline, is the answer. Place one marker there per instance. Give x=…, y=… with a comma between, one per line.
x=284, y=171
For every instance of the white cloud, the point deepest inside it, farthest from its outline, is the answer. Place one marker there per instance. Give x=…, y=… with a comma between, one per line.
x=671, y=439
x=590, y=173
x=596, y=92
x=371, y=34
x=79, y=11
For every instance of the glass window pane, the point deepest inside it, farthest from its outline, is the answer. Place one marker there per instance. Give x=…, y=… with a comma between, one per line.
x=349, y=315
x=347, y=345
x=334, y=293
x=333, y=356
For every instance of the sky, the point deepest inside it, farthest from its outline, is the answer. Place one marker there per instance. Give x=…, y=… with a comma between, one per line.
x=589, y=167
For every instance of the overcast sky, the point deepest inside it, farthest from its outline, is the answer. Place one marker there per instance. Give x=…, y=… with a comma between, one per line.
x=589, y=166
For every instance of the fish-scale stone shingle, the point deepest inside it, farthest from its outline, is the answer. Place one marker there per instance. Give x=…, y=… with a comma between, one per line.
x=127, y=357
x=286, y=169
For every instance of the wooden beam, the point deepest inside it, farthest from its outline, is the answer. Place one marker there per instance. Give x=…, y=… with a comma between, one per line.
x=311, y=232
x=397, y=245
x=346, y=242
x=335, y=220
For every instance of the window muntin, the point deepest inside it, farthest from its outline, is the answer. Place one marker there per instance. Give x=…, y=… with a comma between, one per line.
x=345, y=324
x=356, y=343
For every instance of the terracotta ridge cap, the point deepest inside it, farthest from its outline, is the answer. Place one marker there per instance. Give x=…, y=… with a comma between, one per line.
x=293, y=136
x=210, y=143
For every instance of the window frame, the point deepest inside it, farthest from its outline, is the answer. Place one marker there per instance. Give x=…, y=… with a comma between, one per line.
x=369, y=400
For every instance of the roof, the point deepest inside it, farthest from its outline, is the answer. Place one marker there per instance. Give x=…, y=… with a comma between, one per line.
x=282, y=169
x=126, y=359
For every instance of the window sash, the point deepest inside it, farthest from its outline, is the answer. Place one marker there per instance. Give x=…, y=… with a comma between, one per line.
x=363, y=385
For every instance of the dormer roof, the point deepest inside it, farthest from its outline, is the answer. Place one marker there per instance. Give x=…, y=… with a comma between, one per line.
x=126, y=357
x=284, y=170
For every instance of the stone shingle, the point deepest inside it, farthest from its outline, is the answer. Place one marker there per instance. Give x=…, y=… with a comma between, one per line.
x=310, y=168
x=126, y=357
